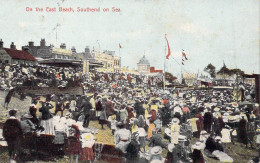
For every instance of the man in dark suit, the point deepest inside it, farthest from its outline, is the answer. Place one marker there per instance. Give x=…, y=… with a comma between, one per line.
x=85, y=109
x=12, y=132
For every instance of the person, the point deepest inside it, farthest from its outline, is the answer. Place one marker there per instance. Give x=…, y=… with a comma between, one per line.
x=59, y=107
x=85, y=109
x=156, y=154
x=60, y=134
x=197, y=156
x=133, y=148
x=103, y=116
x=12, y=132
x=109, y=107
x=98, y=107
x=122, y=137
x=199, y=123
x=87, y=143
x=207, y=121
x=112, y=120
x=8, y=97
x=123, y=113
x=29, y=131
x=74, y=143
x=46, y=118
x=175, y=129
x=157, y=140
x=242, y=134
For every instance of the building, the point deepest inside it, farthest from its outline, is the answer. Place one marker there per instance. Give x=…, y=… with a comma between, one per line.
x=143, y=66
x=13, y=56
x=50, y=52
x=110, y=62
x=153, y=70
x=190, y=79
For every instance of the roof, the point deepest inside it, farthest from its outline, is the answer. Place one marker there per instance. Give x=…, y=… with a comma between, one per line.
x=20, y=54
x=143, y=61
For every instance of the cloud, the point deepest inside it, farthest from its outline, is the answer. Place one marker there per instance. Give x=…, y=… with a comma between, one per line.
x=24, y=24
x=193, y=28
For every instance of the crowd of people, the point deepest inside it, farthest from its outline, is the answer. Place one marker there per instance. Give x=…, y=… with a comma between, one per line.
x=144, y=119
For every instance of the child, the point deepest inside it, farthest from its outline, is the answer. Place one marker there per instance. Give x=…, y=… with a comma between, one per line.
x=112, y=120
x=60, y=134
x=74, y=145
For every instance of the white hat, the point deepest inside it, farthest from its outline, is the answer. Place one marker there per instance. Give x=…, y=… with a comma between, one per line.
x=88, y=136
x=175, y=121
x=156, y=150
x=217, y=138
x=167, y=131
x=198, y=145
x=170, y=147
x=203, y=132
x=216, y=109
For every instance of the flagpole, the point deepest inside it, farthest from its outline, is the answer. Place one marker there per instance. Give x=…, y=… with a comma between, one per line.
x=119, y=60
x=181, y=68
x=164, y=67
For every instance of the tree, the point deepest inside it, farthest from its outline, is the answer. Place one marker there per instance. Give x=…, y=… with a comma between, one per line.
x=211, y=70
x=225, y=70
x=169, y=77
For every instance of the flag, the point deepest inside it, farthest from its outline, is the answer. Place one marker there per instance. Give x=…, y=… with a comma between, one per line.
x=169, y=50
x=120, y=46
x=184, y=54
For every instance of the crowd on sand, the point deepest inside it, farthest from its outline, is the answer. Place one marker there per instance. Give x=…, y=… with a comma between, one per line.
x=143, y=117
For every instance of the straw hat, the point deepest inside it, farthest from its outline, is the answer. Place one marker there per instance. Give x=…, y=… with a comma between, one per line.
x=170, y=147
x=68, y=115
x=203, y=132
x=167, y=131
x=198, y=146
x=216, y=109
x=175, y=121
x=88, y=136
x=27, y=116
x=156, y=150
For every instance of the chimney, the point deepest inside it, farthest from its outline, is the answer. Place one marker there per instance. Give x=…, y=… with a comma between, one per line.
x=42, y=42
x=25, y=49
x=1, y=44
x=63, y=46
x=87, y=50
x=31, y=43
x=12, y=46
x=73, y=49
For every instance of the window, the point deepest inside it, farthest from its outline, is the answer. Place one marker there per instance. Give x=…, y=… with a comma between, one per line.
x=6, y=61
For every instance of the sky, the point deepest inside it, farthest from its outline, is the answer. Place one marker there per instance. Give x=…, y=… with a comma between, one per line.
x=217, y=32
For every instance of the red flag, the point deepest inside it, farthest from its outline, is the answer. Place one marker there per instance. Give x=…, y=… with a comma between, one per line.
x=184, y=55
x=169, y=50
x=120, y=46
